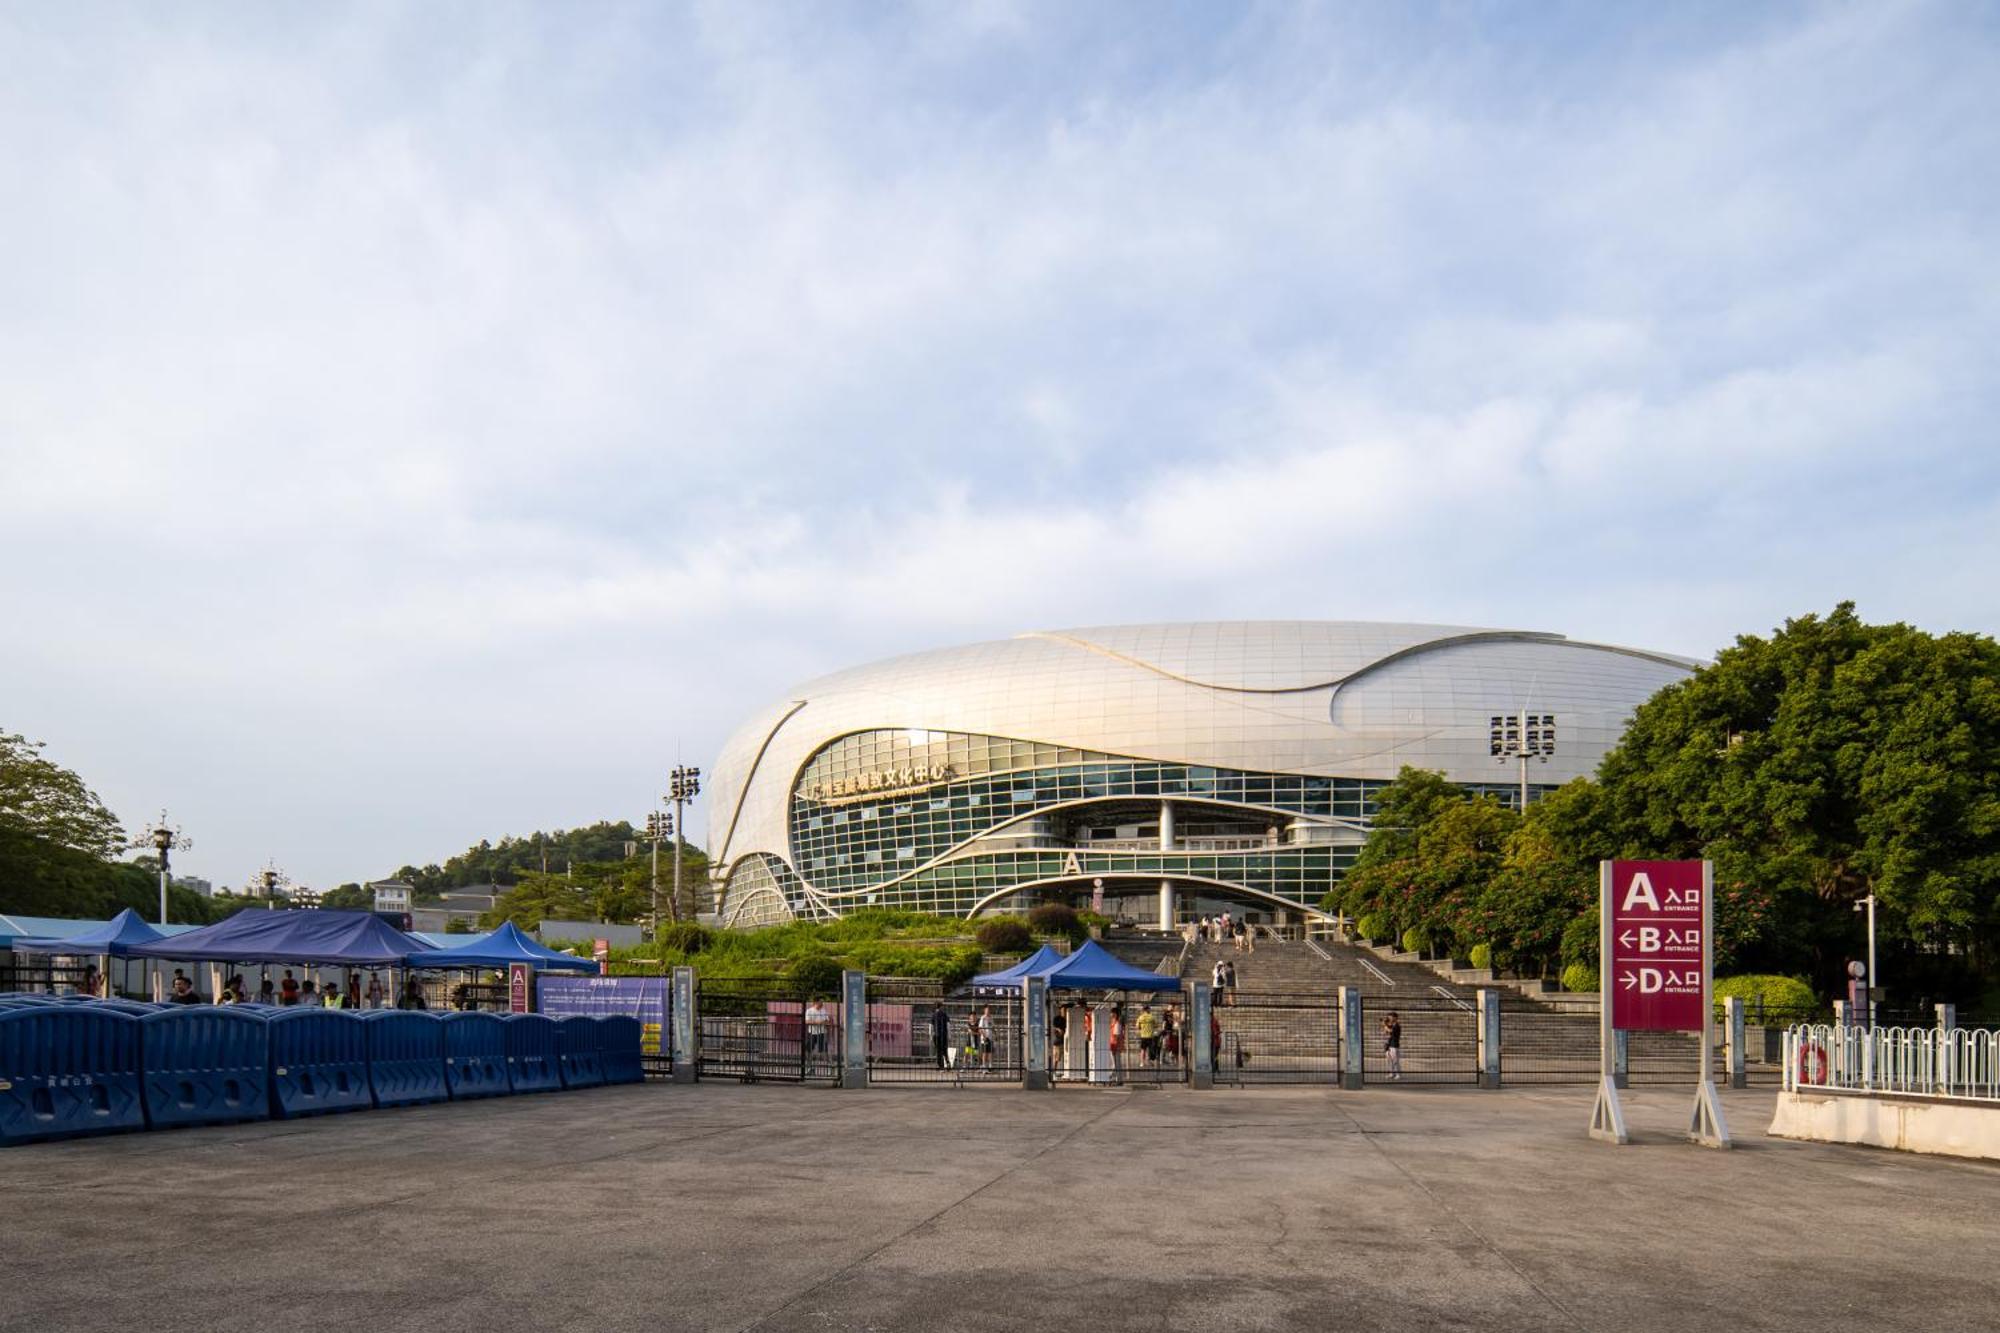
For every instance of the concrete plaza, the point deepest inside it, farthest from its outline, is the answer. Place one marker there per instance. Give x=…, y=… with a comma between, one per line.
x=776, y=1208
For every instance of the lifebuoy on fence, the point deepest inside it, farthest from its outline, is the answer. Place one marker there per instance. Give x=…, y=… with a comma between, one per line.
x=1812, y=1063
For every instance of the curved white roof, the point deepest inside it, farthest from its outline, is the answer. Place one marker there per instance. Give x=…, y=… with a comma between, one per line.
x=1334, y=698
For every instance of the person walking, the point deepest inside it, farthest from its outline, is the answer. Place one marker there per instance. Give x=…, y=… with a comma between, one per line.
x=1229, y=983
x=1170, y=1036
x=940, y=1033
x=1392, y=1045
x=1116, y=1037
x=1058, y=1029
x=1149, y=1036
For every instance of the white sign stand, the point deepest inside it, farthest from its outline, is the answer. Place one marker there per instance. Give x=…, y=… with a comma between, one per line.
x=1707, y=1125
x=1607, y=1118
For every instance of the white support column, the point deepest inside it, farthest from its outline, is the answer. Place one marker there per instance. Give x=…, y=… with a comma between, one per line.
x=1166, y=826
x=1167, y=905
x=1947, y=1054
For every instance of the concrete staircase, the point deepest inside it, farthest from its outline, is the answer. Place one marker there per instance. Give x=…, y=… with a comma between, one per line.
x=1320, y=968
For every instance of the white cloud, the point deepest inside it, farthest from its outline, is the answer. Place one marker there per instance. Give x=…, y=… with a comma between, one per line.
x=440, y=430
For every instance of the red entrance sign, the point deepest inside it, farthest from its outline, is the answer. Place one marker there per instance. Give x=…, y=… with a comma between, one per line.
x=520, y=983
x=1657, y=961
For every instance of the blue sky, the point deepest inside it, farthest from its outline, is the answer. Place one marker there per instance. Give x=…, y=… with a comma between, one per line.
x=423, y=423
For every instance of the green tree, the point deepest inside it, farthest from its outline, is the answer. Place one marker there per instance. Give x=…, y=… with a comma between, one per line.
x=349, y=898
x=1827, y=761
x=42, y=800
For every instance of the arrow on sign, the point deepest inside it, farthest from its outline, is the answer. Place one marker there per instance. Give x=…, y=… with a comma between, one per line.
x=1625, y=938
x=1629, y=980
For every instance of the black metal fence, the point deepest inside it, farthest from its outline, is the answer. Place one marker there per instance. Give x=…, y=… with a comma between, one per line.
x=1273, y=1037
x=1437, y=1041
x=918, y=1035
x=41, y=977
x=767, y=1031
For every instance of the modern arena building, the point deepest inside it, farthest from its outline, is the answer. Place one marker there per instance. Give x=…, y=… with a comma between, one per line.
x=1180, y=769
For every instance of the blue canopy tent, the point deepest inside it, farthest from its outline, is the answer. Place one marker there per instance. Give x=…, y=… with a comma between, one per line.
x=1093, y=967
x=115, y=938
x=1009, y=978
x=504, y=946
x=353, y=939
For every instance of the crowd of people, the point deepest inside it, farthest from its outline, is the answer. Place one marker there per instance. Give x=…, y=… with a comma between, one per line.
x=1221, y=928
x=291, y=992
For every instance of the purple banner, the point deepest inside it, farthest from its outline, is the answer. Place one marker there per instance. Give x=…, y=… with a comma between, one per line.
x=643, y=998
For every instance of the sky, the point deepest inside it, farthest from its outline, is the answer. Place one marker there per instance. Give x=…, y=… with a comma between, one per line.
x=426, y=423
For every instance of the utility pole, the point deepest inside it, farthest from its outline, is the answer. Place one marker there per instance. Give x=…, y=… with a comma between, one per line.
x=683, y=785
x=164, y=839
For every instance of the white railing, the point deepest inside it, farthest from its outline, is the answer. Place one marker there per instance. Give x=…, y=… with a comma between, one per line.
x=1961, y=1063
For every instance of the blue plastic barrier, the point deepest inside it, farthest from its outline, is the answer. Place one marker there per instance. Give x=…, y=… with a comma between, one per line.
x=534, y=1063
x=68, y=1070
x=204, y=1066
x=618, y=1039
x=582, y=1054
x=405, y=1056
x=319, y=1061
x=475, y=1055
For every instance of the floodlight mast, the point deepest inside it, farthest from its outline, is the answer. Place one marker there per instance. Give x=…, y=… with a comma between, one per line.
x=683, y=785
x=1522, y=736
x=659, y=826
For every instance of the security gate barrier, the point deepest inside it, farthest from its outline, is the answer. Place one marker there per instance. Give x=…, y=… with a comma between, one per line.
x=758, y=1031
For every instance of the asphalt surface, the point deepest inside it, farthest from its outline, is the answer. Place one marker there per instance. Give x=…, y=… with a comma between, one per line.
x=775, y=1208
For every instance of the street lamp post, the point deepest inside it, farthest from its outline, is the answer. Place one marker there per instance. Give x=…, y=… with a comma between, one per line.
x=1522, y=736
x=683, y=785
x=1868, y=904
x=659, y=826
x=165, y=839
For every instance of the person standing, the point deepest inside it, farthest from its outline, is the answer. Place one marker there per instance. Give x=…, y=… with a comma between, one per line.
x=1149, y=1036
x=265, y=995
x=816, y=1021
x=986, y=1037
x=288, y=988
x=1170, y=1036
x=413, y=996
x=1392, y=1044
x=183, y=992
x=940, y=1033
x=1058, y=1029
x=375, y=991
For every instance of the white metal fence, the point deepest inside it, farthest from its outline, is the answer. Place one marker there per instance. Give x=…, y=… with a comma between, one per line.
x=1961, y=1063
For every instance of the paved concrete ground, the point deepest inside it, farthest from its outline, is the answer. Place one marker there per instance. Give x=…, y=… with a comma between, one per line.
x=771, y=1208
